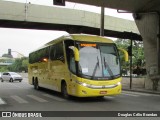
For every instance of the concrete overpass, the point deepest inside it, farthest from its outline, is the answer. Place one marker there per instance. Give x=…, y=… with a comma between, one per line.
x=147, y=17
x=30, y=16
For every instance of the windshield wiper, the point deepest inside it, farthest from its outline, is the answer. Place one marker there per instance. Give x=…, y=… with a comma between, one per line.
x=107, y=67
x=95, y=68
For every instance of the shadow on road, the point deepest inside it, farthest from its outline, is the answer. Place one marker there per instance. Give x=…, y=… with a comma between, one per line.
x=75, y=99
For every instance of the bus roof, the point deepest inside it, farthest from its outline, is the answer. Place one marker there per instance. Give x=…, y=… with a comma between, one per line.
x=90, y=38
x=81, y=37
x=78, y=37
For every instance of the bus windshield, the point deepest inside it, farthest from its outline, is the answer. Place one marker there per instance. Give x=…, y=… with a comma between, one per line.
x=99, y=61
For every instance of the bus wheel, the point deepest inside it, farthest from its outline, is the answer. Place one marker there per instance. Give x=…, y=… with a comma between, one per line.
x=64, y=91
x=36, y=85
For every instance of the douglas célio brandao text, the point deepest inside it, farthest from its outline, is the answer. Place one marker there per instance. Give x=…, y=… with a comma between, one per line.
x=137, y=114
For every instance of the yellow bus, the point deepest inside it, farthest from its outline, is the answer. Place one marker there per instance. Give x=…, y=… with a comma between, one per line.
x=77, y=65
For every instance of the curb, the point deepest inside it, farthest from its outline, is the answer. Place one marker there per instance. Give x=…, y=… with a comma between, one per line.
x=142, y=91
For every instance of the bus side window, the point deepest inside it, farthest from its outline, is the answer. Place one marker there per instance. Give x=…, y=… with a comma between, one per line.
x=59, y=52
x=43, y=54
x=52, y=52
x=32, y=58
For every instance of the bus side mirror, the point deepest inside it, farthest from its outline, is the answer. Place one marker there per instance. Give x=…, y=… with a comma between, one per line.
x=125, y=54
x=76, y=52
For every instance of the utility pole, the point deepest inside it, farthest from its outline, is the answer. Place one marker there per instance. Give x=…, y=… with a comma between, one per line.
x=102, y=21
x=26, y=10
x=131, y=64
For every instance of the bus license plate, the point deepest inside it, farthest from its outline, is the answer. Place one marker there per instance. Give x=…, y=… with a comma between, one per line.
x=103, y=92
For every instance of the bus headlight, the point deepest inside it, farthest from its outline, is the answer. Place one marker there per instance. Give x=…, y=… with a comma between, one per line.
x=119, y=83
x=81, y=83
x=84, y=84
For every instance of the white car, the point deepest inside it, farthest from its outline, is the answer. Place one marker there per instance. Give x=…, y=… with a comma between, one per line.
x=11, y=76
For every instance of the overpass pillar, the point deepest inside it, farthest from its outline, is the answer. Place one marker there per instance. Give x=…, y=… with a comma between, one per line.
x=148, y=25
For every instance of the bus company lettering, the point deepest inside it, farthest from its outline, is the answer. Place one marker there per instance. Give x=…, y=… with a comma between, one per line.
x=88, y=45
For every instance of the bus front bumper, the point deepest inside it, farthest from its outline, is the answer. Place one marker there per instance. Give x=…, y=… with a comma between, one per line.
x=95, y=91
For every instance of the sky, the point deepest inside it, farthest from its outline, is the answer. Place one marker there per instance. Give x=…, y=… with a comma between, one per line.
x=25, y=41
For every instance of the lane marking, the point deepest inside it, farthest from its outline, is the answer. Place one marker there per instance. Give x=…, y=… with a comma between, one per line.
x=19, y=99
x=53, y=97
x=2, y=102
x=37, y=98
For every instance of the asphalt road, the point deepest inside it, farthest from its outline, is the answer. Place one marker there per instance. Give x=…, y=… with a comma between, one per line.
x=20, y=96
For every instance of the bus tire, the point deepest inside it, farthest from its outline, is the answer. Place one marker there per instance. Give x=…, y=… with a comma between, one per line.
x=36, y=86
x=64, y=90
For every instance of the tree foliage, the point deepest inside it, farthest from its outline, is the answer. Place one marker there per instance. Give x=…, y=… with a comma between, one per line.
x=20, y=64
x=121, y=43
x=4, y=69
x=137, y=52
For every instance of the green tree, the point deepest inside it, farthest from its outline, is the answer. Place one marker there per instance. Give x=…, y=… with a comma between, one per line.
x=3, y=69
x=20, y=64
x=122, y=43
x=137, y=52
x=25, y=65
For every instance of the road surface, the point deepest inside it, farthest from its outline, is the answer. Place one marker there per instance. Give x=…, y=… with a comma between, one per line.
x=20, y=96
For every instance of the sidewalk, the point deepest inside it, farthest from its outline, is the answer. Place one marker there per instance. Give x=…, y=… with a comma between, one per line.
x=134, y=89
x=137, y=86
